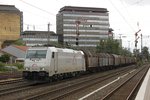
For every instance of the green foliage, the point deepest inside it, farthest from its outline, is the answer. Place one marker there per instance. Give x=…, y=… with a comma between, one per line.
x=18, y=65
x=10, y=67
x=142, y=56
x=19, y=42
x=145, y=53
x=2, y=64
x=113, y=47
x=2, y=67
x=7, y=43
x=109, y=46
x=125, y=52
x=5, y=58
x=55, y=44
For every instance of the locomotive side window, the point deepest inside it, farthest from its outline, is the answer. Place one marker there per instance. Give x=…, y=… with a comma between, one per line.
x=53, y=54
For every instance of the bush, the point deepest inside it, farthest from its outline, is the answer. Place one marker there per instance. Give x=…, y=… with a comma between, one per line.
x=18, y=65
x=2, y=67
x=10, y=67
x=5, y=58
x=2, y=64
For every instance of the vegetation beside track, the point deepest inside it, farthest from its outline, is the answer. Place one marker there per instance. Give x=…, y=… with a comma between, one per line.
x=4, y=67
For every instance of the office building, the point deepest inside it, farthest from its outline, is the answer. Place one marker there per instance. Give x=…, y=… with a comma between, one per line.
x=82, y=26
x=34, y=38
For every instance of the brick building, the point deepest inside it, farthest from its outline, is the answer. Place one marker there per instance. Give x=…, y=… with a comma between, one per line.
x=11, y=23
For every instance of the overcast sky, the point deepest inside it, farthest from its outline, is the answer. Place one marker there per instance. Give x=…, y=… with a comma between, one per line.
x=126, y=16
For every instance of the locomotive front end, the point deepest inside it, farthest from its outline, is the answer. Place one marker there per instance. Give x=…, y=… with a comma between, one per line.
x=35, y=66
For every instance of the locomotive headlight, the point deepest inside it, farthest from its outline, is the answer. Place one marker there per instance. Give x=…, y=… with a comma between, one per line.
x=42, y=69
x=27, y=68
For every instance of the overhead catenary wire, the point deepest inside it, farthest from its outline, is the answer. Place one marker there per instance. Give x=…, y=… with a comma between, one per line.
x=126, y=9
x=38, y=8
x=34, y=26
x=39, y=15
x=122, y=16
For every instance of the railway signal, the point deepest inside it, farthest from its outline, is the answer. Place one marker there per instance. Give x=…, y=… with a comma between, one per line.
x=136, y=38
x=77, y=31
x=136, y=41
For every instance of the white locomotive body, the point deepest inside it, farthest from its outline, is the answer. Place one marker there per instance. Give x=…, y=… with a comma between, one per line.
x=51, y=62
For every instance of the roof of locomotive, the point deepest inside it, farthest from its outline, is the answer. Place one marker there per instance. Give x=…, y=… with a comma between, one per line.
x=54, y=49
x=37, y=48
x=65, y=50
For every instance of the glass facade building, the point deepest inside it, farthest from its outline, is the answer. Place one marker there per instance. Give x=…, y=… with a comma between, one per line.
x=82, y=26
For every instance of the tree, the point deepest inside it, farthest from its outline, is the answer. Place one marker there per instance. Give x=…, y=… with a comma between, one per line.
x=5, y=58
x=11, y=42
x=145, y=53
x=112, y=46
x=7, y=43
x=125, y=52
x=136, y=53
x=19, y=42
x=108, y=46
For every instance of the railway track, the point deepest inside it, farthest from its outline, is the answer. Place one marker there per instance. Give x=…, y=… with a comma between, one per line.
x=8, y=75
x=127, y=90
x=10, y=81
x=64, y=89
x=13, y=86
x=71, y=88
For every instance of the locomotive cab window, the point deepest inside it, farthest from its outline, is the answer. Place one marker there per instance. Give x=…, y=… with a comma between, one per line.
x=53, y=54
x=36, y=54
